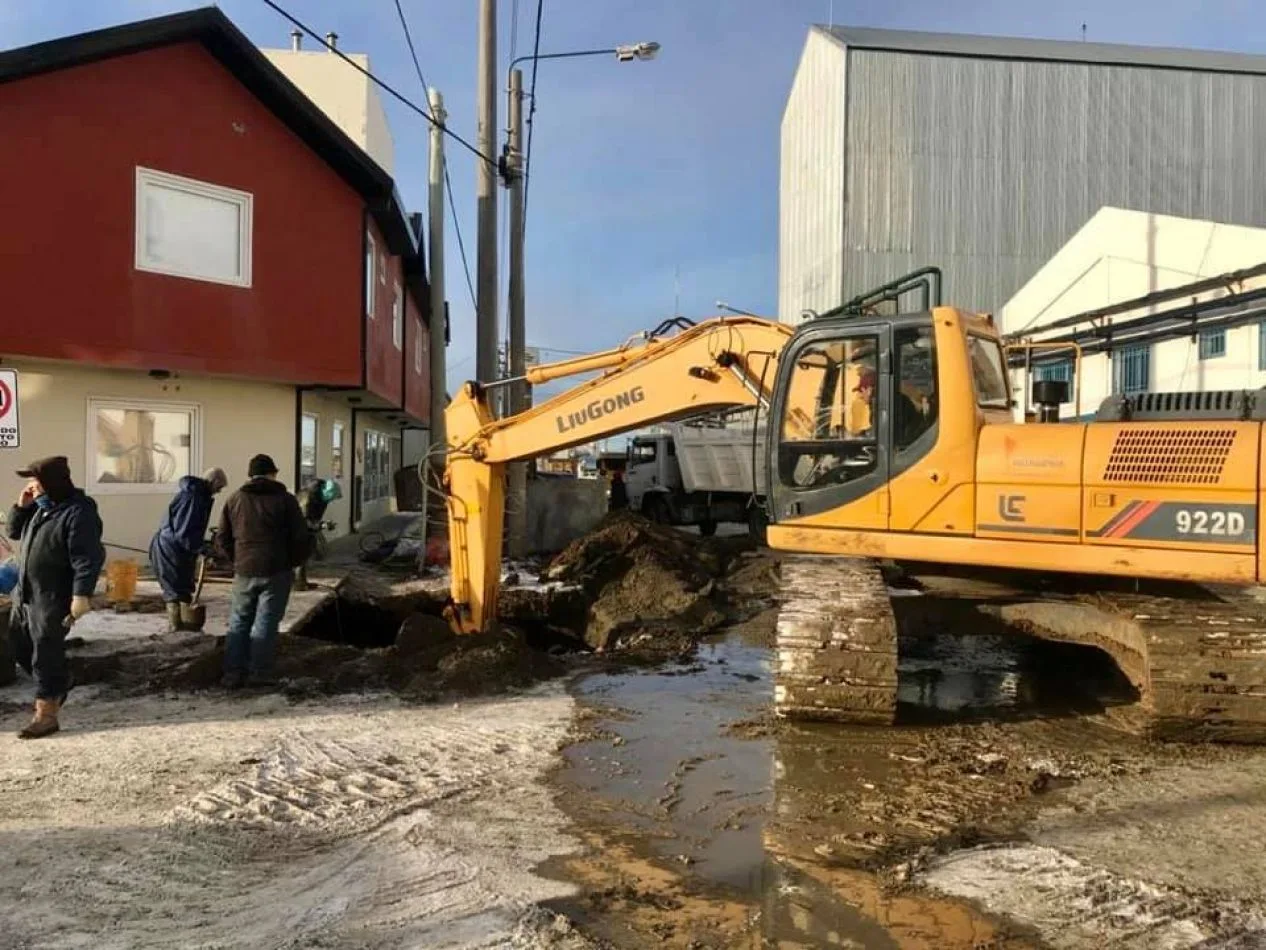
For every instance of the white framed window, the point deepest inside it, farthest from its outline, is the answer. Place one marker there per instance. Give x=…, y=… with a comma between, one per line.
x=382, y=269
x=309, y=427
x=371, y=260
x=419, y=346
x=139, y=447
x=193, y=229
x=397, y=318
x=336, y=451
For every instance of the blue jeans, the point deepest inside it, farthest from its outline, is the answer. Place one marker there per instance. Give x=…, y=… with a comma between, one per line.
x=255, y=614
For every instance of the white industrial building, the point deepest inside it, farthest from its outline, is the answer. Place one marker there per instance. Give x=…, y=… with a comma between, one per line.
x=984, y=156
x=1122, y=256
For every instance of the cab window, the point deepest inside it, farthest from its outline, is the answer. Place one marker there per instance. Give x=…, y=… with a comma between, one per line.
x=989, y=372
x=914, y=405
x=641, y=452
x=827, y=432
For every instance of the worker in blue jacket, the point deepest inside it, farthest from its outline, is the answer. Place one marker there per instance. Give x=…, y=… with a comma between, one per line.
x=174, y=550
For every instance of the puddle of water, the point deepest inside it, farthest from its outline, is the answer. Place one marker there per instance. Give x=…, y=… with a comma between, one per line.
x=674, y=785
x=674, y=767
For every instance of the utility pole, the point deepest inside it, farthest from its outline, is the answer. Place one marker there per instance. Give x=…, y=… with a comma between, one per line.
x=435, y=205
x=516, y=507
x=486, y=194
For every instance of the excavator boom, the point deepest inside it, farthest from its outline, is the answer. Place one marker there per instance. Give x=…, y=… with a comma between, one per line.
x=723, y=363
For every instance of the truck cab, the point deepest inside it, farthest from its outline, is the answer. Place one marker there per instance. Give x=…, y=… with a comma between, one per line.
x=652, y=476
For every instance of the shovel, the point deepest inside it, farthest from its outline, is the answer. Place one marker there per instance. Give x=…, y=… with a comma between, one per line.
x=193, y=615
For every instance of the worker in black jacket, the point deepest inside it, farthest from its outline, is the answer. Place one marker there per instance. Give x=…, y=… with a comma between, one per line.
x=262, y=531
x=59, y=563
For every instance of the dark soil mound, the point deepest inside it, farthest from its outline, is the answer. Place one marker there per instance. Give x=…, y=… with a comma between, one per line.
x=642, y=577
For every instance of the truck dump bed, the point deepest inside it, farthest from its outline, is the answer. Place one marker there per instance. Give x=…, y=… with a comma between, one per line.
x=720, y=460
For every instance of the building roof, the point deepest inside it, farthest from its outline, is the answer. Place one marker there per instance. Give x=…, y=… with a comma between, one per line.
x=1060, y=51
x=1121, y=256
x=223, y=40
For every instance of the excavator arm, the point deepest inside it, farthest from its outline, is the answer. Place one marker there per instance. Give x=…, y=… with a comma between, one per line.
x=723, y=363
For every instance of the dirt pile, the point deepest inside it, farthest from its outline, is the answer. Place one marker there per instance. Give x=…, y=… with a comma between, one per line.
x=427, y=662
x=644, y=584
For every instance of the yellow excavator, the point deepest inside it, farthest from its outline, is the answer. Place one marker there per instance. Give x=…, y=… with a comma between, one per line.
x=893, y=438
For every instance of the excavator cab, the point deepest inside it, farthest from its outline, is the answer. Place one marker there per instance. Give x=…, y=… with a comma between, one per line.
x=854, y=401
x=860, y=402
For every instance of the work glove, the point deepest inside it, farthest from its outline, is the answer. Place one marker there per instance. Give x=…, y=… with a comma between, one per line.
x=79, y=605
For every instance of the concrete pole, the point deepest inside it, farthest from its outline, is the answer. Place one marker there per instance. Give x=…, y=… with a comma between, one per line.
x=516, y=498
x=435, y=205
x=486, y=195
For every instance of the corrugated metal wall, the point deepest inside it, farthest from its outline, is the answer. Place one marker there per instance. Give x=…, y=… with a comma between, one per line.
x=986, y=167
x=811, y=188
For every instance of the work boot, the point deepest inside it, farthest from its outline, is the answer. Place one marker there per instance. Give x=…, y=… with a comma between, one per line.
x=173, y=617
x=263, y=681
x=233, y=680
x=44, y=723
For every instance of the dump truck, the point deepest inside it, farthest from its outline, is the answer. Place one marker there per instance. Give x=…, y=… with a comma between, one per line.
x=890, y=439
x=699, y=474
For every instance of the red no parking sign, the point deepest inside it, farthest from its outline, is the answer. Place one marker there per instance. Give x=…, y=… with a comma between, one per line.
x=10, y=433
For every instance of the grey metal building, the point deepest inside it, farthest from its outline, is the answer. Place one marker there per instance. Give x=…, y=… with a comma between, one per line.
x=983, y=155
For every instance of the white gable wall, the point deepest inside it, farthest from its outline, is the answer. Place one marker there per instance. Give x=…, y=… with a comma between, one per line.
x=1121, y=255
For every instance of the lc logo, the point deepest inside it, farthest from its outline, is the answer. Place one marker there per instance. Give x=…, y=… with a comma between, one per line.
x=1011, y=507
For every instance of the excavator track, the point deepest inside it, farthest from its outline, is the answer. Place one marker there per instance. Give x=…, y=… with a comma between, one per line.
x=1197, y=661
x=1205, y=664
x=836, y=642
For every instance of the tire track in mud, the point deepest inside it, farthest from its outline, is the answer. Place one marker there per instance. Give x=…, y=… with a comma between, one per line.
x=1075, y=905
x=370, y=825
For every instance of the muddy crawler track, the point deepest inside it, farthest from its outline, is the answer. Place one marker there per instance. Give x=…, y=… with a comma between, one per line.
x=837, y=642
x=1206, y=663
x=1198, y=661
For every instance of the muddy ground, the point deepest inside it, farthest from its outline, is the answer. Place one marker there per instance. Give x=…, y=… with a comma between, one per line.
x=405, y=787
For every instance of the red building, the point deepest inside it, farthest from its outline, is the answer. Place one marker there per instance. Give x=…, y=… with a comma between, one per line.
x=241, y=275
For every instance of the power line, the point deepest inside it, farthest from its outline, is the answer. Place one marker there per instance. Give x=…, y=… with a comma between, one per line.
x=374, y=79
x=448, y=182
x=527, y=158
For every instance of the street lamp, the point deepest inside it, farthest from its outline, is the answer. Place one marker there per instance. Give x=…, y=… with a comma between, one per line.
x=625, y=53
x=513, y=170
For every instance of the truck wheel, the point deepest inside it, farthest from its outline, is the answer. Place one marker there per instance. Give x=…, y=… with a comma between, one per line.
x=656, y=509
x=707, y=528
x=757, y=523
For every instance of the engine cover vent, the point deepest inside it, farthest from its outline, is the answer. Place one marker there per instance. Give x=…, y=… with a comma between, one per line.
x=1168, y=456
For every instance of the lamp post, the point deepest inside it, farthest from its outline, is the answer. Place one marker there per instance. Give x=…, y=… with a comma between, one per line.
x=513, y=170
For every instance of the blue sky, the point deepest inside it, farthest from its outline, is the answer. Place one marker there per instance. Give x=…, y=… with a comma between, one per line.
x=645, y=169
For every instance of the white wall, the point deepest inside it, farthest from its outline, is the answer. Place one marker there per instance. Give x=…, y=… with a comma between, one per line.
x=1120, y=255
x=235, y=420
x=811, y=183
x=343, y=94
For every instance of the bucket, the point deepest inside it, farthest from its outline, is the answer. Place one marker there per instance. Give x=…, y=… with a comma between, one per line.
x=121, y=581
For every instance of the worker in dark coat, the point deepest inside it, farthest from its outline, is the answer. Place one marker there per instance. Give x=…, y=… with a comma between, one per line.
x=263, y=532
x=59, y=563
x=618, y=500
x=174, y=549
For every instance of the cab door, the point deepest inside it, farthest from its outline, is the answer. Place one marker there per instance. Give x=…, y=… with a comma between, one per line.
x=830, y=438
